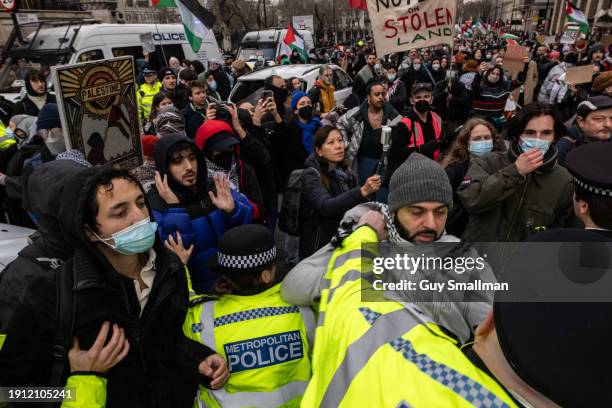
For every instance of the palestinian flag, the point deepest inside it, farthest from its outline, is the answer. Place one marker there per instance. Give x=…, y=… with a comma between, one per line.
x=576, y=16
x=196, y=19
x=481, y=27
x=358, y=4
x=293, y=41
x=468, y=33
x=162, y=3
x=507, y=36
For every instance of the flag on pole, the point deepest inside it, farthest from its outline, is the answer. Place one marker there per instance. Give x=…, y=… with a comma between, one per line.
x=358, y=4
x=481, y=27
x=162, y=3
x=293, y=41
x=196, y=19
x=574, y=15
x=507, y=36
x=468, y=33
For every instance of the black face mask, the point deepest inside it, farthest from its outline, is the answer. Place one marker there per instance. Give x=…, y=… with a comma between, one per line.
x=224, y=159
x=280, y=94
x=422, y=106
x=305, y=112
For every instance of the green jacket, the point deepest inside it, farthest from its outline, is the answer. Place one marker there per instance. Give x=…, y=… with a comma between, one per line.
x=505, y=206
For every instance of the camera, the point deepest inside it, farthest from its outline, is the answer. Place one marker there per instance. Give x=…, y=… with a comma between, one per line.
x=221, y=112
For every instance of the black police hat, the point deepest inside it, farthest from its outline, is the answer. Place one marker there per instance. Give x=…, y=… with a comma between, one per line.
x=246, y=249
x=559, y=348
x=591, y=166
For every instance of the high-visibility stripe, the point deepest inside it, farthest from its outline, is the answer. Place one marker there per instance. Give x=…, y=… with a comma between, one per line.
x=2, y=339
x=309, y=323
x=255, y=314
x=384, y=329
x=460, y=384
x=207, y=317
x=274, y=398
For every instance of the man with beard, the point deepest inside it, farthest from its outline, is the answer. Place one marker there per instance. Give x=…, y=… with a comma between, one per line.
x=593, y=124
x=365, y=74
x=420, y=197
x=37, y=95
x=186, y=201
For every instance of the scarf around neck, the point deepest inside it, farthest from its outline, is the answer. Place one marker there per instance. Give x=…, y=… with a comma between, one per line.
x=308, y=131
x=214, y=169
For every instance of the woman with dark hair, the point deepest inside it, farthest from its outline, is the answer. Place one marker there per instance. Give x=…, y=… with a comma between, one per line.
x=328, y=191
x=476, y=138
x=417, y=73
x=491, y=91
x=510, y=195
x=435, y=67
x=160, y=100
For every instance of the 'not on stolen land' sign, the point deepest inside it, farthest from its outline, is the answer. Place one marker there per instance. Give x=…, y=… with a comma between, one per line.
x=401, y=25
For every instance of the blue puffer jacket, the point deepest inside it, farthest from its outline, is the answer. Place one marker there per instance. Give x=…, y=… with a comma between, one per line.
x=196, y=218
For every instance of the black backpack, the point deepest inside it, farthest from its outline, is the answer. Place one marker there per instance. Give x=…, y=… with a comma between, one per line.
x=289, y=218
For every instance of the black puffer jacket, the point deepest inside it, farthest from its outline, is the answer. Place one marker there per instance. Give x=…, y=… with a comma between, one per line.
x=321, y=208
x=42, y=196
x=160, y=369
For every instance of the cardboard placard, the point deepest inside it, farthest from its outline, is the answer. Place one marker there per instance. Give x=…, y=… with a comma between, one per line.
x=549, y=39
x=513, y=61
x=98, y=110
x=570, y=36
x=606, y=40
x=147, y=42
x=579, y=75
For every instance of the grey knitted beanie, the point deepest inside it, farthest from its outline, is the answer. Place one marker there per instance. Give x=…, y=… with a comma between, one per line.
x=417, y=180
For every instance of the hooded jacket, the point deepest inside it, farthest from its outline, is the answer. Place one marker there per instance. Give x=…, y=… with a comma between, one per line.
x=42, y=196
x=161, y=368
x=505, y=206
x=247, y=179
x=195, y=217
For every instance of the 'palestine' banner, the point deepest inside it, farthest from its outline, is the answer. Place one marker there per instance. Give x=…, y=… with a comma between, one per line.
x=401, y=25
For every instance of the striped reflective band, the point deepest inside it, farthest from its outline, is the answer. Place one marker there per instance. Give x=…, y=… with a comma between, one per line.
x=247, y=261
x=255, y=314
x=468, y=389
x=274, y=398
x=2, y=338
x=384, y=330
x=593, y=189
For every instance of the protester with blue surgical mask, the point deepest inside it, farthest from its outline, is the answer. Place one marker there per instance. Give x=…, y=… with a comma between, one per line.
x=397, y=95
x=476, y=138
x=511, y=195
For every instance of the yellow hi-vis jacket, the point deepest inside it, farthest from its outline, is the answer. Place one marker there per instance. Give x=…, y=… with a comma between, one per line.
x=266, y=342
x=384, y=353
x=144, y=97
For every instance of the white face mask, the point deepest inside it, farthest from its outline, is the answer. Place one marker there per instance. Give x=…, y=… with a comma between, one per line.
x=417, y=67
x=436, y=67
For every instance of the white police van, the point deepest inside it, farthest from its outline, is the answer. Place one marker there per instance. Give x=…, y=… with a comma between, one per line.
x=72, y=42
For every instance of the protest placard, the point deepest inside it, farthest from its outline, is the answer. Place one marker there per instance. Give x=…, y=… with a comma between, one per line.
x=550, y=39
x=579, y=75
x=408, y=24
x=98, y=110
x=570, y=36
x=147, y=42
x=514, y=59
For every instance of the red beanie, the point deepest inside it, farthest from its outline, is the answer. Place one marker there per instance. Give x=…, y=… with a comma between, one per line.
x=148, y=144
x=210, y=128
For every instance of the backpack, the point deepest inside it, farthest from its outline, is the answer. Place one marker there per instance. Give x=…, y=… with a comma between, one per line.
x=289, y=218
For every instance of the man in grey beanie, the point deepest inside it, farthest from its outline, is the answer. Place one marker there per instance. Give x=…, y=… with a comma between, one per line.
x=420, y=197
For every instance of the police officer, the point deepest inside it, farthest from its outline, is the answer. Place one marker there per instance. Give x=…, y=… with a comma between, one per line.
x=265, y=339
x=146, y=92
x=591, y=168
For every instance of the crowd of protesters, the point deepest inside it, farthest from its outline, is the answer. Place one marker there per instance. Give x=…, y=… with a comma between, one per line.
x=243, y=220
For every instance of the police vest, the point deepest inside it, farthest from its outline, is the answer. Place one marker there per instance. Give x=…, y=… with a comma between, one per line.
x=266, y=343
x=416, y=135
x=382, y=353
x=145, y=96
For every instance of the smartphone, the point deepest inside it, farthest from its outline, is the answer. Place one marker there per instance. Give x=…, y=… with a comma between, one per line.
x=267, y=94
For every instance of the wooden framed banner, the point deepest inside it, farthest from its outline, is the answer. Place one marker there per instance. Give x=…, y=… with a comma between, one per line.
x=98, y=110
x=408, y=24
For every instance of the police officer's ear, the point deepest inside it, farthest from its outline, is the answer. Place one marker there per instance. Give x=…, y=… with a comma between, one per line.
x=581, y=207
x=486, y=326
x=268, y=275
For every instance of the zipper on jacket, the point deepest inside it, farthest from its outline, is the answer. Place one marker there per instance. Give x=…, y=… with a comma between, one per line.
x=518, y=209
